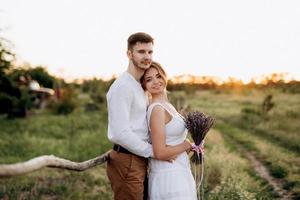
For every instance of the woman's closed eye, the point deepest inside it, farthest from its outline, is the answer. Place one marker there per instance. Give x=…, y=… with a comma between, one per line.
x=148, y=80
x=158, y=76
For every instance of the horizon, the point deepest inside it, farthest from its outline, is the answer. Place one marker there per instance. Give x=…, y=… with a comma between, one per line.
x=203, y=79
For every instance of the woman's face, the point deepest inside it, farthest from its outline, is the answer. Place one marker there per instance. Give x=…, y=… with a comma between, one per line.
x=154, y=82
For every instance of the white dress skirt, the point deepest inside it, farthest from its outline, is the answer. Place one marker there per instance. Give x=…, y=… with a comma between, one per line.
x=171, y=180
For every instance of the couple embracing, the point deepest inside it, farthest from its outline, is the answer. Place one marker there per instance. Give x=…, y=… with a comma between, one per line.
x=149, y=158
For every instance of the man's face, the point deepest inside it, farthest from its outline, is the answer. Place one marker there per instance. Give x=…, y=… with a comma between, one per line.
x=141, y=55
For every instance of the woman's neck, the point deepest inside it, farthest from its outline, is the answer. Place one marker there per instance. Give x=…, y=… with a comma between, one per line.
x=159, y=98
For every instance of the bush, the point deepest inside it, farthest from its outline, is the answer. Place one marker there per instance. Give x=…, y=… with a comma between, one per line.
x=278, y=171
x=39, y=74
x=6, y=103
x=65, y=107
x=66, y=104
x=267, y=104
x=98, y=96
x=13, y=106
x=89, y=107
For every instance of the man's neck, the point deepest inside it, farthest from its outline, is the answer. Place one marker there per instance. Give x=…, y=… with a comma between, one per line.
x=135, y=72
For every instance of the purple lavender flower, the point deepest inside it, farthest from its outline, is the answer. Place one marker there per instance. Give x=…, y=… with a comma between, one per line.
x=198, y=124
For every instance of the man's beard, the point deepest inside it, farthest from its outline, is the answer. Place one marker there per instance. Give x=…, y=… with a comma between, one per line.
x=138, y=65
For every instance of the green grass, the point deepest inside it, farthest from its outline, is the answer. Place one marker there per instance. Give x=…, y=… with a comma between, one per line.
x=83, y=135
x=281, y=125
x=229, y=175
x=281, y=162
x=65, y=136
x=57, y=184
x=274, y=137
x=79, y=136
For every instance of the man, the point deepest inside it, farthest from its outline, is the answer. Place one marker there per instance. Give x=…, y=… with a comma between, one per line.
x=127, y=124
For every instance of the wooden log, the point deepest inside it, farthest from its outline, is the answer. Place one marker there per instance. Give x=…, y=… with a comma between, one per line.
x=8, y=170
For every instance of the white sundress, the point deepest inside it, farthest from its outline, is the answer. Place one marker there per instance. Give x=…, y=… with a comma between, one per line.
x=171, y=180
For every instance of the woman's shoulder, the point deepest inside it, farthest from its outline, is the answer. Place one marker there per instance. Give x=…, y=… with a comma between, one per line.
x=160, y=107
x=155, y=105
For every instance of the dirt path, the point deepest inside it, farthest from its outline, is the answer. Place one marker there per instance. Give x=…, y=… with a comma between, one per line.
x=264, y=173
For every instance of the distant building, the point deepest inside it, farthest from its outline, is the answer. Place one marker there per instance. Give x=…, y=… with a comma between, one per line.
x=39, y=95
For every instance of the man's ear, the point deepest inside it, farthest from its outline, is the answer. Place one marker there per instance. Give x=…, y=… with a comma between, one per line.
x=129, y=54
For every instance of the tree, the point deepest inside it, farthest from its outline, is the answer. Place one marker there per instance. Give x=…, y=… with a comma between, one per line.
x=6, y=55
x=39, y=73
x=13, y=101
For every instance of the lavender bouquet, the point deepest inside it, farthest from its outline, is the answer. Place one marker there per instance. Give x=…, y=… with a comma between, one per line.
x=198, y=124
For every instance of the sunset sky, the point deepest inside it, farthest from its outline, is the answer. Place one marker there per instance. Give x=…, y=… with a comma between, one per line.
x=87, y=38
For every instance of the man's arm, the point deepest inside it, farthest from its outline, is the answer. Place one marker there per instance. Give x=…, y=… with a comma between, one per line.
x=119, y=130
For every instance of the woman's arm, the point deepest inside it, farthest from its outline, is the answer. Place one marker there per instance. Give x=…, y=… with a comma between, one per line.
x=160, y=149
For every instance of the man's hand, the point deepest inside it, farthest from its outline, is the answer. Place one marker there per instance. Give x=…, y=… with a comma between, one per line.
x=172, y=159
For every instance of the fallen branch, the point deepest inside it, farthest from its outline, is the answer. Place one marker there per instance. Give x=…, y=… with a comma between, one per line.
x=8, y=170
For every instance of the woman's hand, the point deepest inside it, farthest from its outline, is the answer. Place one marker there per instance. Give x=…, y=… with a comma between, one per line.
x=189, y=145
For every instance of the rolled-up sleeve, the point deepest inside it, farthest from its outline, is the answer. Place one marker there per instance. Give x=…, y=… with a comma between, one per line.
x=119, y=130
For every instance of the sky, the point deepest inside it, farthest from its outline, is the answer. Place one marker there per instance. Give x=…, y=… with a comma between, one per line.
x=88, y=38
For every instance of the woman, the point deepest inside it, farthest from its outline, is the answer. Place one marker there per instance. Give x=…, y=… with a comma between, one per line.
x=167, y=180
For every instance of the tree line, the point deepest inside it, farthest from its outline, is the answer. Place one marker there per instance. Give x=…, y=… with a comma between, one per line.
x=16, y=98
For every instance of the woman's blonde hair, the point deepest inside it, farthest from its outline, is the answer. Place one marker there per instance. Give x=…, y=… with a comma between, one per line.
x=160, y=70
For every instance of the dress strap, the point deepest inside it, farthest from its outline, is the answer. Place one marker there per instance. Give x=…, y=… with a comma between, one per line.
x=150, y=108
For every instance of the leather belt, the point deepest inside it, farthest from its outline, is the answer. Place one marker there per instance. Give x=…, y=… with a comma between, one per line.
x=121, y=149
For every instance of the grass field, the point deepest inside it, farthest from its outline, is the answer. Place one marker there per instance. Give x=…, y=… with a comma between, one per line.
x=273, y=138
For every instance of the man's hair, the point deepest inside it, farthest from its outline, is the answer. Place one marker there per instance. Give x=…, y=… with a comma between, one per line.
x=138, y=37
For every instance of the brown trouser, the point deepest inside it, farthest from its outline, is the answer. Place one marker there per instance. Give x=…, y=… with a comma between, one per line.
x=126, y=173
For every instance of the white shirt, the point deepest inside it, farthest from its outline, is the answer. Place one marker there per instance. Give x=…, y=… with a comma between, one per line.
x=127, y=109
